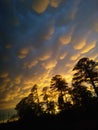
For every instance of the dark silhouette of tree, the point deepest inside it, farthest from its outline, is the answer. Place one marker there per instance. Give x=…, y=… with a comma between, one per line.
x=86, y=71
x=23, y=108
x=34, y=92
x=60, y=85
x=29, y=106
x=81, y=96
x=48, y=103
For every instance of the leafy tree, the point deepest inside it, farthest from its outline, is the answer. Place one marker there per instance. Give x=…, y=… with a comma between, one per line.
x=23, y=108
x=60, y=85
x=81, y=96
x=49, y=104
x=86, y=71
x=29, y=106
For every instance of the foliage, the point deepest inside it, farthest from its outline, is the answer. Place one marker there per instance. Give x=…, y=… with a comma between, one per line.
x=86, y=71
x=86, y=75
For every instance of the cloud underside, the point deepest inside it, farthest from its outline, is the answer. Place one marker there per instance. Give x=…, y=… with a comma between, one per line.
x=44, y=38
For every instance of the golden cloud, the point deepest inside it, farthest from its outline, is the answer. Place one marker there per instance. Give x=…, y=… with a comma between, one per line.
x=63, y=55
x=49, y=64
x=18, y=79
x=75, y=57
x=79, y=44
x=45, y=56
x=65, y=39
x=88, y=47
x=32, y=64
x=40, y=6
x=55, y=3
x=23, y=53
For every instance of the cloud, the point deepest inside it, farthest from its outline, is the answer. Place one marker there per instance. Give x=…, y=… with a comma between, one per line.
x=79, y=44
x=95, y=27
x=4, y=75
x=65, y=39
x=75, y=57
x=42, y=38
x=31, y=64
x=44, y=57
x=23, y=53
x=40, y=6
x=50, y=64
x=63, y=55
x=18, y=79
x=49, y=33
x=88, y=47
x=55, y=3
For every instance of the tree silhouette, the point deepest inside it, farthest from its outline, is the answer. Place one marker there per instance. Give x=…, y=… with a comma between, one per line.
x=23, y=108
x=81, y=96
x=86, y=71
x=60, y=85
x=29, y=106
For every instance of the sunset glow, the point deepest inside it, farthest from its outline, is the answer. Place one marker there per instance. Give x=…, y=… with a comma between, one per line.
x=40, y=39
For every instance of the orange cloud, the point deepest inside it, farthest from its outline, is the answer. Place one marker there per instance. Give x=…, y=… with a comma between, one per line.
x=79, y=44
x=75, y=57
x=63, y=55
x=32, y=64
x=40, y=6
x=65, y=39
x=23, y=53
x=18, y=79
x=45, y=56
x=49, y=64
x=55, y=3
x=88, y=47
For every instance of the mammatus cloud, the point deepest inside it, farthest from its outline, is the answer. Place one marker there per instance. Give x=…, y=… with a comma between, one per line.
x=89, y=47
x=65, y=39
x=40, y=6
x=55, y=3
x=49, y=64
x=42, y=38
x=23, y=53
x=79, y=44
x=63, y=55
x=75, y=56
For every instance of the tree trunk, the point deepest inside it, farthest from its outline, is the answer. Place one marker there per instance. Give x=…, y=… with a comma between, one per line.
x=92, y=82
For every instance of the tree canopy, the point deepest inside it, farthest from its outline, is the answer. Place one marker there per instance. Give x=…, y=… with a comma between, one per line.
x=59, y=95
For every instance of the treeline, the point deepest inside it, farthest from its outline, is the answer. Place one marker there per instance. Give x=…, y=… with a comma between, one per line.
x=60, y=98
x=61, y=106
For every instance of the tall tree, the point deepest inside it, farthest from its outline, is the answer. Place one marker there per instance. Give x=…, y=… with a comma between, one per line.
x=24, y=109
x=60, y=85
x=86, y=71
x=29, y=106
x=48, y=103
x=81, y=96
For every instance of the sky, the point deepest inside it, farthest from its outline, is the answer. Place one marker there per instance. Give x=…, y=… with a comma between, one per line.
x=42, y=38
